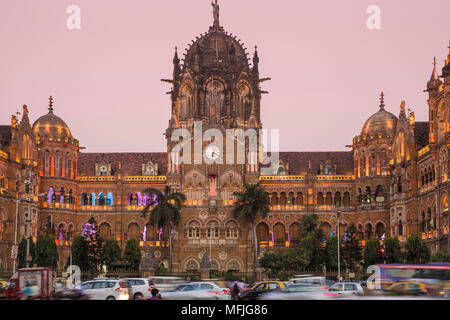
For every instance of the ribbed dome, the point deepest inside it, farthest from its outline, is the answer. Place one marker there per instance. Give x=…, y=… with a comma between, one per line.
x=216, y=49
x=50, y=127
x=381, y=122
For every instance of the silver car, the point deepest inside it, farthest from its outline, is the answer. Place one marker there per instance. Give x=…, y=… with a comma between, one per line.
x=345, y=289
x=297, y=292
x=107, y=289
x=197, y=291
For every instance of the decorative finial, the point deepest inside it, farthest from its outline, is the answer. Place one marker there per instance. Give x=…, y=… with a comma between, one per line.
x=448, y=58
x=382, y=101
x=402, y=106
x=434, y=74
x=216, y=9
x=50, y=104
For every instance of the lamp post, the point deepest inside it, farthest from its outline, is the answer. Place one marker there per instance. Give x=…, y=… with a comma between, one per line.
x=339, y=247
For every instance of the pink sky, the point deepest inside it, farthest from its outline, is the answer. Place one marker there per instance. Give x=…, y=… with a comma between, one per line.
x=327, y=68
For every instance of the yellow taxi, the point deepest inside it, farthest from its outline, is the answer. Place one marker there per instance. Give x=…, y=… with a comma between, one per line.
x=260, y=288
x=408, y=288
x=3, y=289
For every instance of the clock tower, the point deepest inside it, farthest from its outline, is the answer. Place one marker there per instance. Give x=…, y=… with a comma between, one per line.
x=213, y=132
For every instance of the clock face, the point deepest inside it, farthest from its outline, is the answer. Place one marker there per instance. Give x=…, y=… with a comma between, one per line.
x=212, y=153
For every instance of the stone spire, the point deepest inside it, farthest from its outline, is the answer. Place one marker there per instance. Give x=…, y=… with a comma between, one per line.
x=176, y=63
x=256, y=61
x=50, y=104
x=382, y=101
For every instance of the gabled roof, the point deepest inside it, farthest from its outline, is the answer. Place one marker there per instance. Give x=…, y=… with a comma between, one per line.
x=131, y=162
x=299, y=161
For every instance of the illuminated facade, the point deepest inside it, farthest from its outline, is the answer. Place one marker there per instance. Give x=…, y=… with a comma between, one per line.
x=392, y=182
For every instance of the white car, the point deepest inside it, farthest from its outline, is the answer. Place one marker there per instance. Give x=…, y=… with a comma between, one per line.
x=197, y=291
x=107, y=289
x=142, y=288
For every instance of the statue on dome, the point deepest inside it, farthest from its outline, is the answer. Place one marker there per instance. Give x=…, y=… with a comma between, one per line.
x=216, y=9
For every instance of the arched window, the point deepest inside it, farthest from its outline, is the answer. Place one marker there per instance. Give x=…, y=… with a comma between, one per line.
x=110, y=199
x=320, y=200
x=274, y=199
x=291, y=198
x=93, y=199
x=231, y=230
x=262, y=232
x=279, y=234
x=3, y=221
x=62, y=196
x=212, y=229
x=194, y=230
x=133, y=231
x=380, y=229
x=294, y=233
x=101, y=199
x=329, y=199
x=369, y=231
x=346, y=199
x=379, y=194
x=400, y=228
x=105, y=231
x=192, y=266
x=424, y=222
x=300, y=198
x=51, y=197
x=233, y=265
x=283, y=199
x=84, y=199
x=337, y=199
x=139, y=199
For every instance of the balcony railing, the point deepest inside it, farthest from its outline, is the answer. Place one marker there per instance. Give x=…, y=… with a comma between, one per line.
x=58, y=205
x=96, y=208
x=154, y=243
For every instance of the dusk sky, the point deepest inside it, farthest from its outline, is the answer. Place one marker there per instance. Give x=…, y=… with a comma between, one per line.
x=327, y=67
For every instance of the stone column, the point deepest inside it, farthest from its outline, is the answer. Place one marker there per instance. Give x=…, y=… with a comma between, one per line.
x=148, y=264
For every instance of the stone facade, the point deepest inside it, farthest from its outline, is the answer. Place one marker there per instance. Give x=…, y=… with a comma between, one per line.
x=394, y=181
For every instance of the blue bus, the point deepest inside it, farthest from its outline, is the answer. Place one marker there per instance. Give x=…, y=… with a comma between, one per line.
x=434, y=272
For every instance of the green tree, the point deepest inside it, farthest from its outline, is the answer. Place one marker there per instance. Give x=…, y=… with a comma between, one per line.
x=312, y=240
x=132, y=253
x=111, y=252
x=351, y=249
x=372, y=254
x=46, y=251
x=251, y=204
x=393, y=250
x=22, y=253
x=331, y=253
x=79, y=251
x=284, y=263
x=165, y=213
x=417, y=251
x=91, y=235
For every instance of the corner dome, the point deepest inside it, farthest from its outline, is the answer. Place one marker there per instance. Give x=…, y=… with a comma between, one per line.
x=382, y=122
x=50, y=127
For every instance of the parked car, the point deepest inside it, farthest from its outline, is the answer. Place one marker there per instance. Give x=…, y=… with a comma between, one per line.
x=345, y=289
x=296, y=292
x=142, y=288
x=197, y=291
x=108, y=289
x=261, y=288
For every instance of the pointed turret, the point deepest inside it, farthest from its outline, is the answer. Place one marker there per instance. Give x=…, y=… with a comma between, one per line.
x=256, y=61
x=434, y=83
x=176, y=64
x=382, y=101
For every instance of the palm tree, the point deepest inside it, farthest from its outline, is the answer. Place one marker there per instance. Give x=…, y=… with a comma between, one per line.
x=251, y=203
x=164, y=212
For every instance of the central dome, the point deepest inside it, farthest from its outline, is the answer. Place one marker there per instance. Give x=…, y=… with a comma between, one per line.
x=216, y=49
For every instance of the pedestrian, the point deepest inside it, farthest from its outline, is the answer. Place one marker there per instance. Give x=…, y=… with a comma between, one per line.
x=155, y=295
x=236, y=291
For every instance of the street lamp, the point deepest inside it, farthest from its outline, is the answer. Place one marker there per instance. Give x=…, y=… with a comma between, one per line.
x=339, y=246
